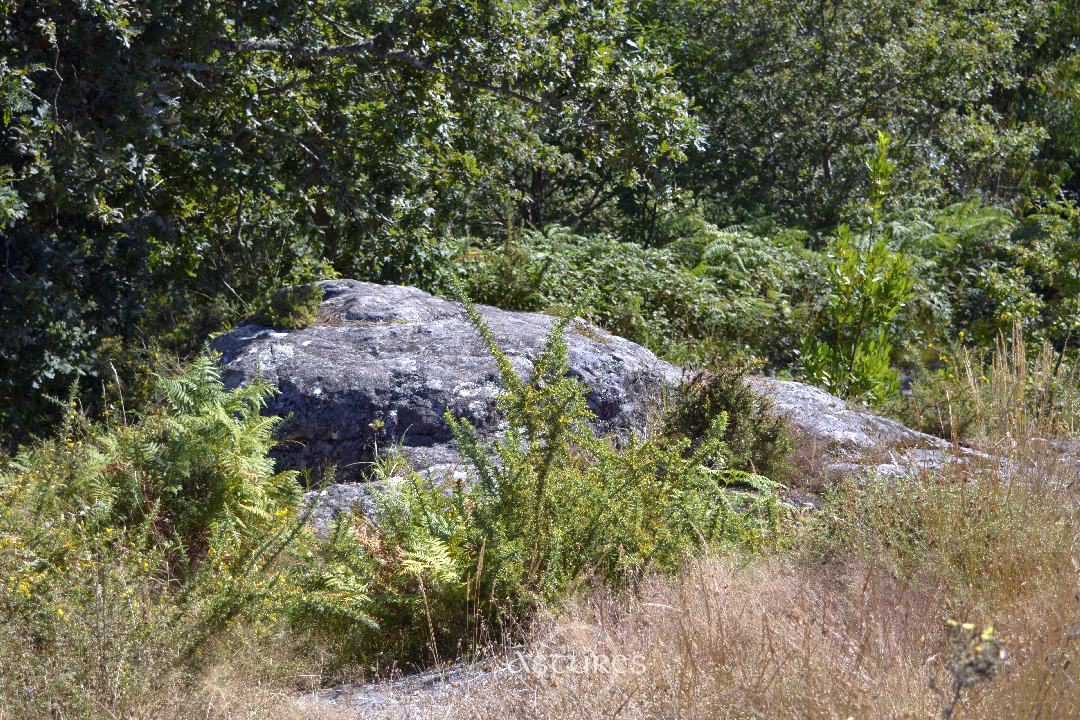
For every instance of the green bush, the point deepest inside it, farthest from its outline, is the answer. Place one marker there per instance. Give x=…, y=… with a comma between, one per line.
x=1025, y=270
x=851, y=353
x=767, y=279
x=708, y=292
x=642, y=294
x=548, y=505
x=127, y=551
x=131, y=553
x=757, y=440
x=980, y=270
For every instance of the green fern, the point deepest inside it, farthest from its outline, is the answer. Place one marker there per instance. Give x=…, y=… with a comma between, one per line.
x=141, y=545
x=430, y=558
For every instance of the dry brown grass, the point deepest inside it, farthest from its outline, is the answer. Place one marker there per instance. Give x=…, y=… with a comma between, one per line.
x=233, y=699
x=1005, y=397
x=721, y=641
x=849, y=626
x=245, y=680
x=781, y=641
x=779, y=638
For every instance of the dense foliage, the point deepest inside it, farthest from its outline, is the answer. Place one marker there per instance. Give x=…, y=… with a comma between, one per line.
x=126, y=550
x=166, y=167
x=713, y=292
x=792, y=92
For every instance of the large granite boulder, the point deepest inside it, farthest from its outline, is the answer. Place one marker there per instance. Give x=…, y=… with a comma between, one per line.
x=381, y=364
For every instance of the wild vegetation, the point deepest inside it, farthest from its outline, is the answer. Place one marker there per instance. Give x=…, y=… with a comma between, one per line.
x=877, y=198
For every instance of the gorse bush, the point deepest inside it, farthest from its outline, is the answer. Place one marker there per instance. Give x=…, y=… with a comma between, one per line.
x=756, y=439
x=131, y=553
x=852, y=624
x=546, y=507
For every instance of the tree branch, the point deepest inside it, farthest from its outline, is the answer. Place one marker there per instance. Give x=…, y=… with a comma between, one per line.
x=300, y=51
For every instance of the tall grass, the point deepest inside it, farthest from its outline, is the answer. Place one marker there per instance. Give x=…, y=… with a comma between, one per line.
x=855, y=628
x=853, y=624
x=998, y=399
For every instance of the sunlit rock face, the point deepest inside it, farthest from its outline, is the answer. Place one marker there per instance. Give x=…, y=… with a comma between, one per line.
x=382, y=364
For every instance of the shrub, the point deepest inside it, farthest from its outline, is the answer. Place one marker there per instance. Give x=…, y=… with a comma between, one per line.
x=127, y=551
x=981, y=270
x=642, y=294
x=130, y=552
x=1025, y=272
x=850, y=355
x=549, y=505
x=708, y=292
x=291, y=308
x=757, y=440
x=768, y=281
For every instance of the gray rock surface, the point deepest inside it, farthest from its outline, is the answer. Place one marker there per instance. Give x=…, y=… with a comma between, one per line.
x=382, y=364
x=410, y=697
x=834, y=439
x=829, y=422
x=397, y=358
